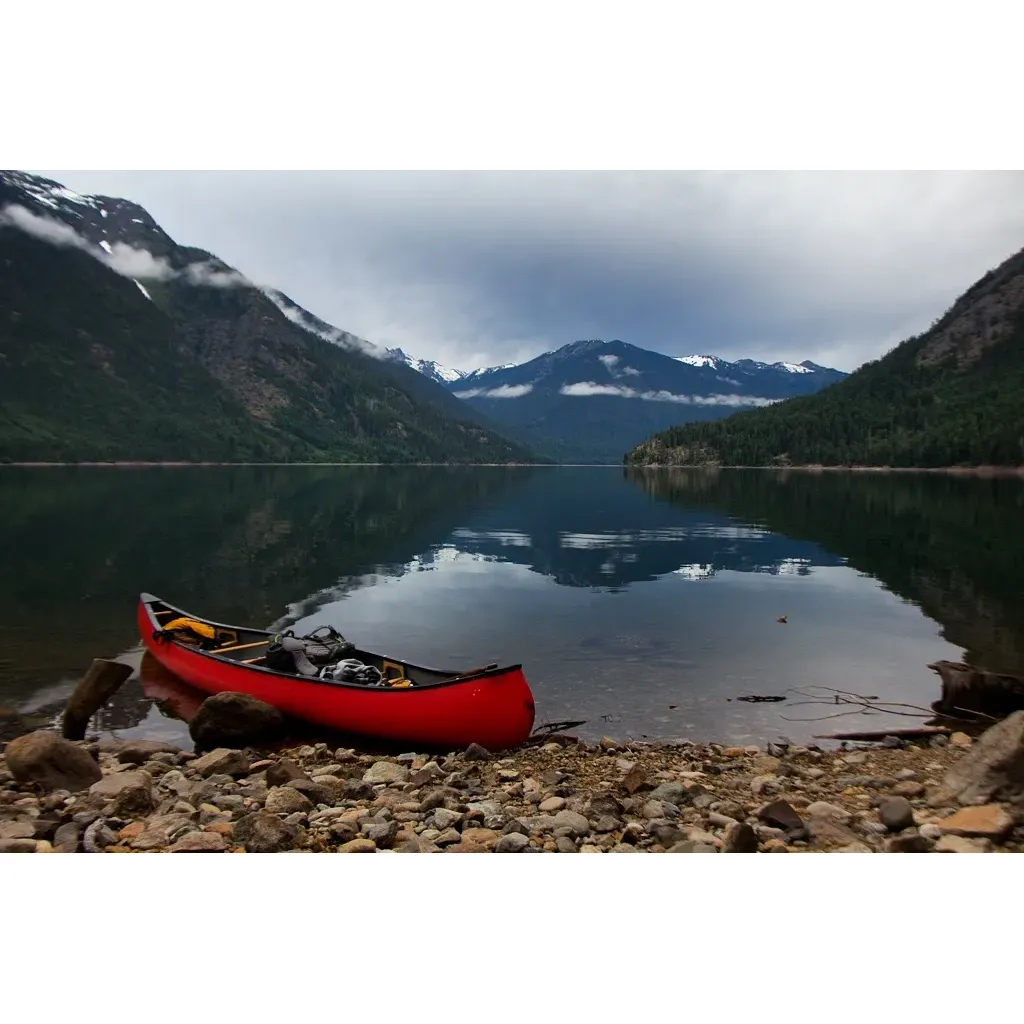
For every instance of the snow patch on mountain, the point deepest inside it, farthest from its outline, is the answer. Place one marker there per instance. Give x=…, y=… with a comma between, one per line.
x=708, y=361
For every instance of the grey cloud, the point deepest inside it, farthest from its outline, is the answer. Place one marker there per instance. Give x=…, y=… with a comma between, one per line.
x=123, y=259
x=585, y=389
x=478, y=268
x=505, y=391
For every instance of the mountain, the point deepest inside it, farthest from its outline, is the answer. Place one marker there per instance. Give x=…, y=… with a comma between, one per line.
x=590, y=401
x=948, y=397
x=428, y=367
x=117, y=343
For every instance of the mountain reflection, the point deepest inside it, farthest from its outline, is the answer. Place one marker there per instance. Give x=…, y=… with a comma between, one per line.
x=953, y=545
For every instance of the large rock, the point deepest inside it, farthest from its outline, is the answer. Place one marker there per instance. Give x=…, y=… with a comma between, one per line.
x=51, y=761
x=131, y=793
x=261, y=832
x=235, y=720
x=993, y=769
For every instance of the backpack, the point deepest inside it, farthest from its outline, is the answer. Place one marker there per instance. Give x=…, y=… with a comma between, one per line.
x=303, y=654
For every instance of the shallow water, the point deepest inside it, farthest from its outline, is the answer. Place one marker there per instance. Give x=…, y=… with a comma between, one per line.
x=644, y=603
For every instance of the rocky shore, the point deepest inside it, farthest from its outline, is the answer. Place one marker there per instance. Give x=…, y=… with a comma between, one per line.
x=945, y=796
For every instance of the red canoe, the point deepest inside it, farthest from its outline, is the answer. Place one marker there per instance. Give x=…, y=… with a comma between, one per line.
x=441, y=710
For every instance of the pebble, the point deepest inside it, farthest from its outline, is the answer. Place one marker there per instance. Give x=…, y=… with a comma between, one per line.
x=358, y=846
x=896, y=813
x=641, y=798
x=552, y=804
x=990, y=821
x=961, y=844
x=513, y=842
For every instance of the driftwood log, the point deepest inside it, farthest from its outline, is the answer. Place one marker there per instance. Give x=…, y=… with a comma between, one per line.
x=904, y=734
x=96, y=687
x=969, y=689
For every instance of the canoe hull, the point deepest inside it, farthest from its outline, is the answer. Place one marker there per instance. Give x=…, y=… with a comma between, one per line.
x=493, y=708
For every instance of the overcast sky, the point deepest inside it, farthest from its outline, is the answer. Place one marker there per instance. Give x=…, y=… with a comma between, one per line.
x=478, y=268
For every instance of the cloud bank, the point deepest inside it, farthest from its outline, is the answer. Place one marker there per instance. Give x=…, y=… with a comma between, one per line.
x=585, y=389
x=480, y=268
x=123, y=259
x=505, y=391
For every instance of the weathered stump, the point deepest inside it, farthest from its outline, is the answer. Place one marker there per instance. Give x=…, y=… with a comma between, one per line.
x=97, y=686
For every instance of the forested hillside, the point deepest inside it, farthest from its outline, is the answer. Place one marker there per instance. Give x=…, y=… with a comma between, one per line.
x=953, y=396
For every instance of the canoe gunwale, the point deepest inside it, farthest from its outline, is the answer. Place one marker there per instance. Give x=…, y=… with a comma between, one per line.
x=449, y=680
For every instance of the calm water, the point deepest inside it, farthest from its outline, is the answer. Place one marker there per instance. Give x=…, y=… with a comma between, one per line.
x=640, y=602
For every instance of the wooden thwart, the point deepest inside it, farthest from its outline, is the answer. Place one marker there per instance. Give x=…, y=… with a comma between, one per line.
x=240, y=647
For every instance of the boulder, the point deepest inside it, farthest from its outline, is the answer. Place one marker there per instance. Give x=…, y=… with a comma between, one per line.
x=993, y=768
x=235, y=720
x=51, y=761
x=261, y=832
x=222, y=761
x=475, y=752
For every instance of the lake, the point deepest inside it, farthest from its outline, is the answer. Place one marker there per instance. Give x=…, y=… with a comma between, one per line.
x=642, y=602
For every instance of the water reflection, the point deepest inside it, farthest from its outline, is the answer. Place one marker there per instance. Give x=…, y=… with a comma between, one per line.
x=640, y=600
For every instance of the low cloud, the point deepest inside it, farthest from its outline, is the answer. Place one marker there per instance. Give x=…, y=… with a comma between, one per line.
x=332, y=334
x=123, y=259
x=505, y=391
x=609, y=360
x=586, y=389
x=629, y=371
x=44, y=228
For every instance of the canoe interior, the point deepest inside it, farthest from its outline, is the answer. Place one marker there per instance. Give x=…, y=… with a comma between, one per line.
x=248, y=647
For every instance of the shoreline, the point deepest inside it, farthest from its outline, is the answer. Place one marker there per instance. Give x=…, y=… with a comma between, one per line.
x=982, y=471
x=565, y=796
x=814, y=468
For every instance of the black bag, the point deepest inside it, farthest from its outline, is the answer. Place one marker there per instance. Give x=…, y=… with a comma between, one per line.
x=323, y=646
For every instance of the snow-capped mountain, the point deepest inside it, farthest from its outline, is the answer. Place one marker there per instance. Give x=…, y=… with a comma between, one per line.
x=589, y=399
x=428, y=367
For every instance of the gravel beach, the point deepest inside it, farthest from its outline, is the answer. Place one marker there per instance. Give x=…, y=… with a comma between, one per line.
x=954, y=795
